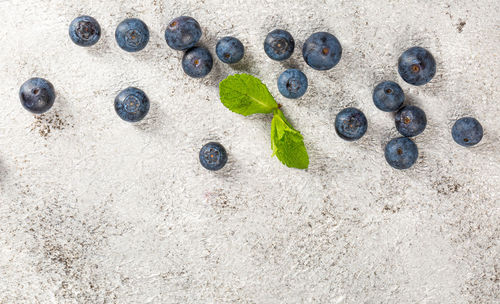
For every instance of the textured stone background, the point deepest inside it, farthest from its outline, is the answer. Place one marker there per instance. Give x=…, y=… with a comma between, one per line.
x=96, y=210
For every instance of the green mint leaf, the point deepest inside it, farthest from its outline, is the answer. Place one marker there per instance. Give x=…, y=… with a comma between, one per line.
x=287, y=143
x=246, y=95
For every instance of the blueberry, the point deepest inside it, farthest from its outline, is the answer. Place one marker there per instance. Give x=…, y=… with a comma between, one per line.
x=416, y=66
x=84, y=31
x=401, y=153
x=388, y=96
x=467, y=131
x=322, y=51
x=279, y=45
x=132, y=35
x=351, y=124
x=131, y=104
x=292, y=83
x=182, y=33
x=410, y=121
x=213, y=156
x=37, y=95
x=229, y=50
x=197, y=62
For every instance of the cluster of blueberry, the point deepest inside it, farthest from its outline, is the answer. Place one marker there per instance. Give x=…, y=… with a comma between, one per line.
x=417, y=67
x=132, y=35
x=321, y=51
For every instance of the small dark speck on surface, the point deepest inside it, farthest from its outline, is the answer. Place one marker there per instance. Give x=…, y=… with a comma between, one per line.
x=159, y=5
x=446, y=185
x=220, y=201
x=46, y=123
x=392, y=209
x=460, y=25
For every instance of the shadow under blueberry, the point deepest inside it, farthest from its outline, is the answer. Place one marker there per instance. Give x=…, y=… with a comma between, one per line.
x=245, y=65
x=411, y=100
x=208, y=39
x=292, y=63
x=102, y=47
x=154, y=120
x=155, y=50
x=488, y=143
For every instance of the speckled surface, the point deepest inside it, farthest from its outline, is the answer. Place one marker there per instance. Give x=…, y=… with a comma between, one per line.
x=96, y=210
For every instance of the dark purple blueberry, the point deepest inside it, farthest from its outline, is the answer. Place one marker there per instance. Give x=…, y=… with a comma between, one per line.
x=322, y=51
x=182, y=33
x=197, y=62
x=279, y=45
x=351, y=124
x=410, y=121
x=84, y=31
x=229, y=50
x=417, y=66
x=37, y=95
x=292, y=83
x=388, y=96
x=131, y=104
x=132, y=35
x=467, y=131
x=213, y=156
x=401, y=153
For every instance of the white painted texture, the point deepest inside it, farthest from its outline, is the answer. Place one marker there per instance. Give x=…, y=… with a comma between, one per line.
x=96, y=210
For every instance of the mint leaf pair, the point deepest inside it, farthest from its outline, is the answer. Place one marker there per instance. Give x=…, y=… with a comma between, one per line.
x=246, y=95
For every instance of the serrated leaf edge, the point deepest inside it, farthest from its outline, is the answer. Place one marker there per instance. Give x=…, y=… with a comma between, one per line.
x=239, y=78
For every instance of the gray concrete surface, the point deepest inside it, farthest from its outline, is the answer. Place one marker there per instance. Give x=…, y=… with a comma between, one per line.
x=96, y=210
